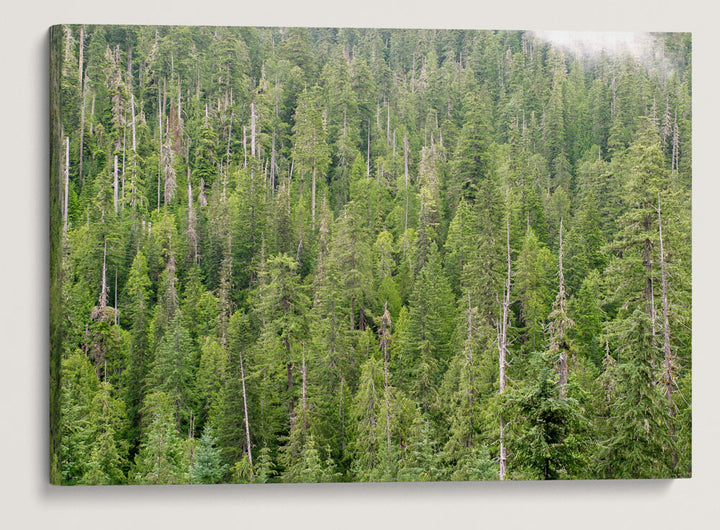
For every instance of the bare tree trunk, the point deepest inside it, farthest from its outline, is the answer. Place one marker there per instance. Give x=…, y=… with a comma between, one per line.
x=304, y=391
x=102, y=302
x=675, y=145
x=252, y=129
x=653, y=311
x=367, y=175
x=469, y=331
x=133, y=183
x=385, y=334
x=562, y=382
x=192, y=234
x=68, y=44
x=117, y=314
x=115, y=185
x=82, y=132
x=273, y=156
x=648, y=294
x=129, y=74
x=502, y=347
x=92, y=113
x=245, y=411
x=245, y=155
x=412, y=77
x=132, y=111
x=503, y=451
x=273, y=163
x=292, y=167
x=179, y=112
x=669, y=372
x=506, y=311
x=160, y=144
x=313, y=197
x=407, y=185
x=227, y=154
x=122, y=173
x=191, y=428
x=387, y=413
x=67, y=184
x=81, y=50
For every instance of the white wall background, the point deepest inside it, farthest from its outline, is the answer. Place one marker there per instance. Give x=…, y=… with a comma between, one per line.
x=26, y=499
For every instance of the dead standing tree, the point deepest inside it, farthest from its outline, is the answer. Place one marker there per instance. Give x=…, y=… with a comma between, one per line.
x=503, y=351
x=559, y=325
x=669, y=365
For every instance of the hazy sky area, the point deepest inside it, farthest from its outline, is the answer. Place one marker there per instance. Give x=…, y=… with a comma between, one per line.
x=592, y=42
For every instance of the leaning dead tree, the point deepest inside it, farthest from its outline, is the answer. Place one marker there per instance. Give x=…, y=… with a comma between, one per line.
x=502, y=350
x=245, y=412
x=669, y=364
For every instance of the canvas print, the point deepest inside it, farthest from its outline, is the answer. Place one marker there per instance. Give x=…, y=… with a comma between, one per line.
x=342, y=254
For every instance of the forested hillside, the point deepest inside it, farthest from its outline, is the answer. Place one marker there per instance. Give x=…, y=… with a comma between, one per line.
x=311, y=255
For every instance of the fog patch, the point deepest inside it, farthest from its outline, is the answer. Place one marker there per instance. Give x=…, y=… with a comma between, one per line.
x=638, y=44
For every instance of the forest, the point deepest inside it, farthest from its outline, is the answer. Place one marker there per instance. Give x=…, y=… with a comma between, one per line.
x=341, y=255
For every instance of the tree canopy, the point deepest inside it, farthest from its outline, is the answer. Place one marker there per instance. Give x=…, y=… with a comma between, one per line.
x=321, y=254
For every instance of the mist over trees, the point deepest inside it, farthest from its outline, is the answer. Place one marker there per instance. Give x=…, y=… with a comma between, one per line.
x=321, y=254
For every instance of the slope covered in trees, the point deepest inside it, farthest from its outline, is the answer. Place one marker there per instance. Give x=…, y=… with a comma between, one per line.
x=304, y=255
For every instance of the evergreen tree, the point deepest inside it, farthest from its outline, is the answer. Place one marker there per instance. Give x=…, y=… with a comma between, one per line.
x=173, y=372
x=532, y=287
x=79, y=387
x=207, y=467
x=430, y=330
x=296, y=254
x=107, y=455
x=160, y=459
x=638, y=443
x=137, y=289
x=545, y=444
x=311, y=152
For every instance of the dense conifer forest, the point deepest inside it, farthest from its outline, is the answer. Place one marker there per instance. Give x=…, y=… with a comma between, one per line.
x=315, y=255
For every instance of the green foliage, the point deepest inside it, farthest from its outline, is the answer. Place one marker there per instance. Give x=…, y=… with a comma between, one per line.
x=475, y=464
x=161, y=458
x=108, y=451
x=420, y=463
x=207, y=466
x=638, y=444
x=547, y=441
x=429, y=331
x=534, y=270
x=585, y=310
x=173, y=369
x=278, y=189
x=309, y=466
x=265, y=469
x=79, y=387
x=227, y=405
